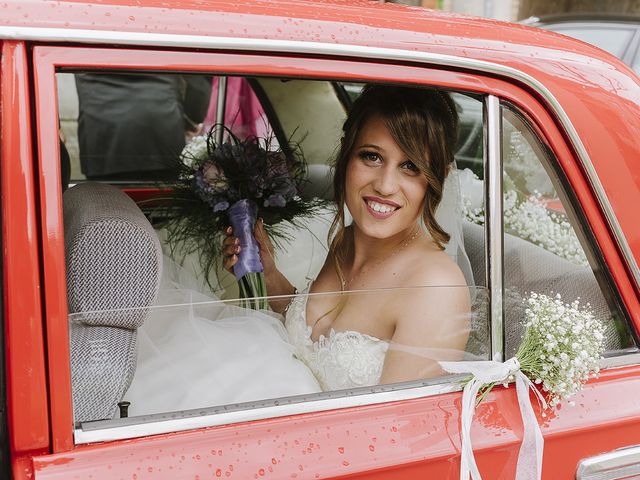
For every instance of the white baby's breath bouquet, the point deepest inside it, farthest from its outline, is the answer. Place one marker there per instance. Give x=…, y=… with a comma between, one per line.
x=561, y=347
x=560, y=351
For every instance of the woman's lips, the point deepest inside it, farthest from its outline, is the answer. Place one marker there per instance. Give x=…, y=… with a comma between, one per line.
x=379, y=208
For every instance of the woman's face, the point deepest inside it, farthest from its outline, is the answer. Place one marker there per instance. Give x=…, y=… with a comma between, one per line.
x=384, y=190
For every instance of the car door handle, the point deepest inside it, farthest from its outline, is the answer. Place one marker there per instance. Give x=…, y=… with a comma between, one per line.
x=618, y=464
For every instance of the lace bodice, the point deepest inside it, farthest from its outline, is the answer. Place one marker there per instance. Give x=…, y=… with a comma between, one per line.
x=341, y=360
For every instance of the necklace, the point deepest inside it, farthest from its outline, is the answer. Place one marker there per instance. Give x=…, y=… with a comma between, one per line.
x=396, y=251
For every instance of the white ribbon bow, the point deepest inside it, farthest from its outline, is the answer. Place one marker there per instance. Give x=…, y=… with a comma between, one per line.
x=486, y=372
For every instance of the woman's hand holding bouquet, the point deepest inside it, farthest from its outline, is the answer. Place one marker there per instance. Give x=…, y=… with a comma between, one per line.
x=235, y=183
x=276, y=283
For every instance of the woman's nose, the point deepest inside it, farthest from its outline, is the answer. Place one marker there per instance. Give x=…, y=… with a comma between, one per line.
x=386, y=182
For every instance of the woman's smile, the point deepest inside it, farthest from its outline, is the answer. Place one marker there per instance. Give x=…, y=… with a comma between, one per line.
x=380, y=208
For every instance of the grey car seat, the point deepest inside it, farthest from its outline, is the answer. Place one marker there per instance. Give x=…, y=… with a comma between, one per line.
x=114, y=265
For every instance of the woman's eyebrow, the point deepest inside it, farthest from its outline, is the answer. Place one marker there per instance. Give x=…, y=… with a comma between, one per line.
x=370, y=145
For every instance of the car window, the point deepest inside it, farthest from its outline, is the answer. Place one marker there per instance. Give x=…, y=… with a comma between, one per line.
x=153, y=330
x=612, y=39
x=545, y=251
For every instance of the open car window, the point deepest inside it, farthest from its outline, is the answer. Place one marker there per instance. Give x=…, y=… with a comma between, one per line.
x=176, y=340
x=194, y=345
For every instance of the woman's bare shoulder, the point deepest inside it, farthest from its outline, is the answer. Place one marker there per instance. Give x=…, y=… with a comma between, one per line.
x=431, y=267
x=436, y=315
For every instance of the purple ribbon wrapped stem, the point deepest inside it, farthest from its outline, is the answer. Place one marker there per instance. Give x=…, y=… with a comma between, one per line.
x=242, y=216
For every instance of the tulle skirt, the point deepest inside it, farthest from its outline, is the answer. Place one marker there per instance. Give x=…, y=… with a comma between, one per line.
x=195, y=352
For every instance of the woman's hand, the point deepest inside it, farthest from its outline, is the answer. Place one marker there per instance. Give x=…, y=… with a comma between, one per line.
x=231, y=249
x=277, y=283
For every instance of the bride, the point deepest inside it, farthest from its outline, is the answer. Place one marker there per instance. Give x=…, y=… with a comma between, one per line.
x=395, y=154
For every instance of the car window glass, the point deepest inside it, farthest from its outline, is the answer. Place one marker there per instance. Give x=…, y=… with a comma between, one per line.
x=197, y=343
x=613, y=40
x=543, y=250
x=211, y=354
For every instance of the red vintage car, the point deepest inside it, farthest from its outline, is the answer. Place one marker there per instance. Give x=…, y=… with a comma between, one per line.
x=548, y=124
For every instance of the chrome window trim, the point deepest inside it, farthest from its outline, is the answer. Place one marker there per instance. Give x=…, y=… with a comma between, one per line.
x=623, y=358
x=494, y=221
x=621, y=463
x=135, y=427
x=338, y=50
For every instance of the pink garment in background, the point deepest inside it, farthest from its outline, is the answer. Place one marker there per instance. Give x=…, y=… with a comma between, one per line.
x=244, y=115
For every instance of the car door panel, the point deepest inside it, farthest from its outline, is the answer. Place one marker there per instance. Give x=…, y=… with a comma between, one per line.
x=390, y=440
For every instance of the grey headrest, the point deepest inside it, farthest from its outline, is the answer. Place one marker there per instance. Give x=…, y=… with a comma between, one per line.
x=113, y=256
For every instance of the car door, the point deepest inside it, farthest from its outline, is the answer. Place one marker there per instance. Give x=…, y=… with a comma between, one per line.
x=388, y=431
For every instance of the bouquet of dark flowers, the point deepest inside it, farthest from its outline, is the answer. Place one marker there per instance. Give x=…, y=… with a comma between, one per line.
x=235, y=183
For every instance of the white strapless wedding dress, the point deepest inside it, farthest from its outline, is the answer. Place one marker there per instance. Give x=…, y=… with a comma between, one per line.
x=340, y=361
x=227, y=355
x=209, y=354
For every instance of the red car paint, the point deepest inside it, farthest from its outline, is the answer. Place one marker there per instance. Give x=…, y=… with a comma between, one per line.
x=599, y=95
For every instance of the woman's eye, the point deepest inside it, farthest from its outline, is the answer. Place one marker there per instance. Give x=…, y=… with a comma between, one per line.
x=411, y=167
x=370, y=156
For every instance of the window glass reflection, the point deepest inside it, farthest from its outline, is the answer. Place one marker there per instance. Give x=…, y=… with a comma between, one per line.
x=210, y=353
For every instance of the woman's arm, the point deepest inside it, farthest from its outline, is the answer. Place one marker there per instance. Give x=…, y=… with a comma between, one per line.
x=432, y=324
x=277, y=282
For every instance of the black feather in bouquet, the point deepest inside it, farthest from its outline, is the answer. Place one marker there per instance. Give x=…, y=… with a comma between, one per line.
x=234, y=183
